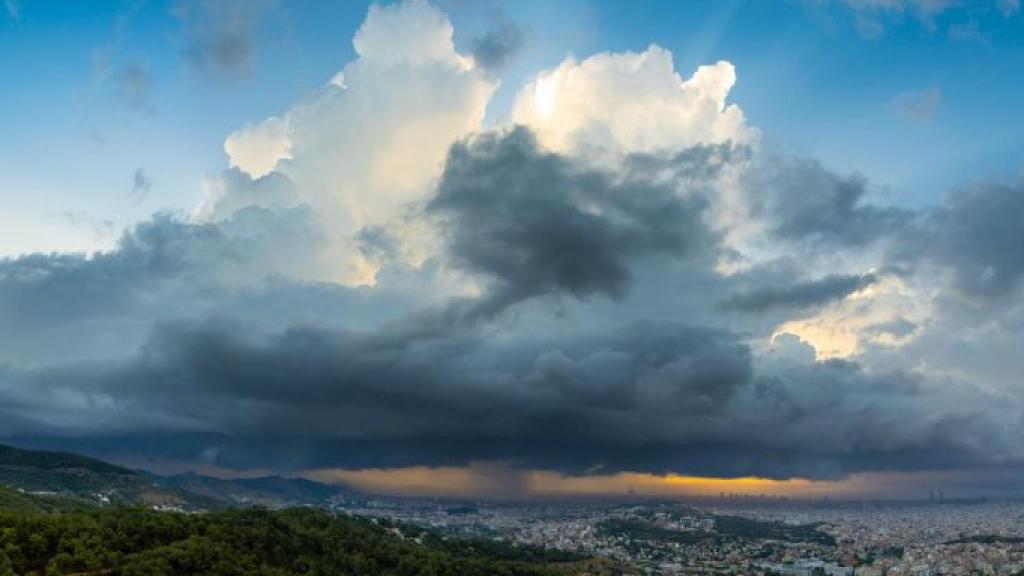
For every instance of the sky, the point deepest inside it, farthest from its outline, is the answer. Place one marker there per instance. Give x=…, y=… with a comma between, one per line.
x=519, y=249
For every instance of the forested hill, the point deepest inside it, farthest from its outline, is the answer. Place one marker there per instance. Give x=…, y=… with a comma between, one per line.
x=92, y=481
x=136, y=542
x=17, y=457
x=15, y=501
x=87, y=481
x=51, y=523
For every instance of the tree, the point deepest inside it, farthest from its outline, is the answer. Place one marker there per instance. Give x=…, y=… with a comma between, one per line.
x=6, y=566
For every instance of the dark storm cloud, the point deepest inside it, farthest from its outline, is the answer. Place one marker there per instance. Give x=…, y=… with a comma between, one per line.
x=807, y=294
x=537, y=223
x=647, y=397
x=194, y=338
x=801, y=200
x=885, y=420
x=499, y=45
x=345, y=387
x=219, y=34
x=978, y=234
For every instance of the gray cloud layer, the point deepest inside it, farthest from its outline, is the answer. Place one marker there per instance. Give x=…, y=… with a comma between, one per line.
x=977, y=234
x=648, y=397
x=804, y=201
x=196, y=336
x=799, y=295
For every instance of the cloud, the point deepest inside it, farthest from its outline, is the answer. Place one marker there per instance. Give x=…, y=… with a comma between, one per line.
x=800, y=295
x=394, y=111
x=376, y=280
x=800, y=200
x=896, y=328
x=873, y=16
x=257, y=148
x=219, y=35
x=135, y=86
x=537, y=223
x=975, y=234
x=494, y=49
x=919, y=105
x=128, y=81
x=632, y=102
x=103, y=304
x=233, y=191
x=141, y=184
x=642, y=398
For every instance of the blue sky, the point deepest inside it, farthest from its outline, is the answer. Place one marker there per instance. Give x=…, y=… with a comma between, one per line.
x=810, y=77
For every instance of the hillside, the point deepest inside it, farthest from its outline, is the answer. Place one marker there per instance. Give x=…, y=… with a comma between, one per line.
x=69, y=514
x=77, y=478
x=97, y=482
x=132, y=542
x=269, y=491
x=14, y=501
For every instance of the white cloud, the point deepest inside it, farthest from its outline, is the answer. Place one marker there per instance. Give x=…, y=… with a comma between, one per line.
x=632, y=102
x=257, y=148
x=369, y=144
x=413, y=33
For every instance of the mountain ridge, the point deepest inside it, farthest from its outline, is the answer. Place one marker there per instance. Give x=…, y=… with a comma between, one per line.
x=91, y=481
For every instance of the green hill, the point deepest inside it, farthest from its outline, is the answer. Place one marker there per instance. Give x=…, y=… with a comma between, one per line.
x=12, y=500
x=247, y=542
x=53, y=521
x=87, y=480
x=11, y=456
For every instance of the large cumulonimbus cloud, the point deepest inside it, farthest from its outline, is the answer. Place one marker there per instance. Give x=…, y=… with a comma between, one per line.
x=618, y=277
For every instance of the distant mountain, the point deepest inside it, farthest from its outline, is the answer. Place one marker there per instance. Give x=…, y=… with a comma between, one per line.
x=17, y=457
x=48, y=480
x=269, y=491
x=71, y=478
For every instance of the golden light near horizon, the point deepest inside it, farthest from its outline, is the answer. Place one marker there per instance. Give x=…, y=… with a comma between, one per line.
x=488, y=480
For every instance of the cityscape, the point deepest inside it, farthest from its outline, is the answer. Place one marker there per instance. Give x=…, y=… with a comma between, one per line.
x=746, y=535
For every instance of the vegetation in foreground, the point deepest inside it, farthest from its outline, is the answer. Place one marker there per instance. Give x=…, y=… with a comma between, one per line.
x=76, y=516
x=135, y=541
